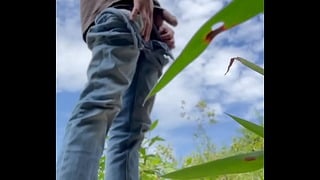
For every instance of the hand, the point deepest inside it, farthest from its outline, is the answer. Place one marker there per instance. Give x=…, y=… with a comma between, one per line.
x=167, y=35
x=164, y=15
x=145, y=9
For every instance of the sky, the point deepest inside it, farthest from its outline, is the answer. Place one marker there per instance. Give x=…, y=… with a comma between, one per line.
x=240, y=92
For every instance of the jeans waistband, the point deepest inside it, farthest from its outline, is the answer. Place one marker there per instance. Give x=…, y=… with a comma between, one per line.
x=154, y=33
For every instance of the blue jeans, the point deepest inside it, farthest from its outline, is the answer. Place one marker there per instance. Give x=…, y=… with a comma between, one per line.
x=122, y=71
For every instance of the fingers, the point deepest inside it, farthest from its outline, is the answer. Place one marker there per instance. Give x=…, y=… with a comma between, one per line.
x=143, y=8
x=170, y=43
x=134, y=12
x=167, y=35
x=146, y=32
x=171, y=19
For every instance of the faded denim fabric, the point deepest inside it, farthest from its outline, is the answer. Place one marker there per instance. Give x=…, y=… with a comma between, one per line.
x=122, y=71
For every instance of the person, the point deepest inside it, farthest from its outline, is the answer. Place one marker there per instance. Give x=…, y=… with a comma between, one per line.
x=130, y=41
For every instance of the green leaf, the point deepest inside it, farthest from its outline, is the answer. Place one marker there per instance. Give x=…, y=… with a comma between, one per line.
x=247, y=63
x=154, y=139
x=241, y=163
x=251, y=65
x=143, y=151
x=153, y=125
x=249, y=125
x=188, y=161
x=237, y=12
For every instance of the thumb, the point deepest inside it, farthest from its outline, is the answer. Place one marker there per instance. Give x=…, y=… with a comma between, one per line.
x=171, y=19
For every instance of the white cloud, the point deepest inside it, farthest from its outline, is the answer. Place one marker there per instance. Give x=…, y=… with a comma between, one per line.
x=246, y=88
x=202, y=79
x=167, y=106
x=250, y=30
x=72, y=59
x=193, y=9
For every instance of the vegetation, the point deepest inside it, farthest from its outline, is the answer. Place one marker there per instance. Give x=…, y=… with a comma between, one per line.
x=157, y=158
x=243, y=160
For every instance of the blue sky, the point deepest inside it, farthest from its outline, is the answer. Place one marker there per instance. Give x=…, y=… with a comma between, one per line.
x=240, y=92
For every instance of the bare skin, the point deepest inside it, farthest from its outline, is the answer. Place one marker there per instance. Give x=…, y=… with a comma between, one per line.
x=166, y=32
x=167, y=35
x=144, y=8
x=171, y=19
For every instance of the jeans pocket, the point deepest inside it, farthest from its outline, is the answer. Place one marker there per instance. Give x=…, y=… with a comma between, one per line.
x=113, y=27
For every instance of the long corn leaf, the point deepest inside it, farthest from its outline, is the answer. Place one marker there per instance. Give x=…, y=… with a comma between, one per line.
x=235, y=13
x=247, y=63
x=235, y=164
x=249, y=125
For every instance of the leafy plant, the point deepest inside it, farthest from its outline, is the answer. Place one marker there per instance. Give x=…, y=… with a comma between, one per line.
x=247, y=63
x=235, y=164
x=235, y=13
x=151, y=165
x=239, y=163
x=155, y=159
x=101, y=170
x=154, y=163
x=206, y=151
x=247, y=124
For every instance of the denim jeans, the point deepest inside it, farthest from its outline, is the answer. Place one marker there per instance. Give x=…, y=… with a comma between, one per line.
x=122, y=71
